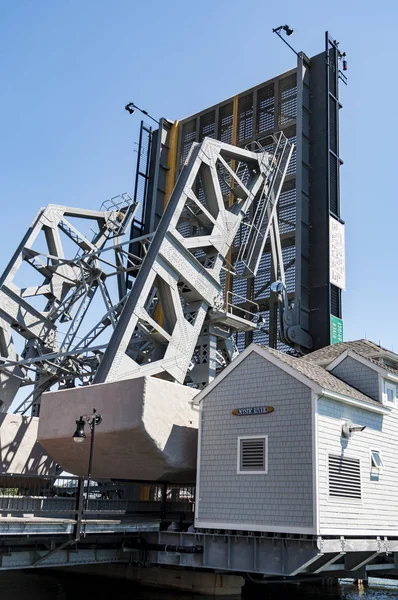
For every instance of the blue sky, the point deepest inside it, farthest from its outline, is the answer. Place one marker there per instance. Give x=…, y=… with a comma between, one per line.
x=68, y=68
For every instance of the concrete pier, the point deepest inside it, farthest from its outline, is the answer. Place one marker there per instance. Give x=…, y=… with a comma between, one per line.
x=196, y=582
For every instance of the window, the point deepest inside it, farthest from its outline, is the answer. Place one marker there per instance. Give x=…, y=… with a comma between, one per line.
x=389, y=393
x=253, y=455
x=376, y=461
x=344, y=477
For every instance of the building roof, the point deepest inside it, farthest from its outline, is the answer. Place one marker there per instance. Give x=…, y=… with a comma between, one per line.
x=364, y=348
x=321, y=376
x=308, y=372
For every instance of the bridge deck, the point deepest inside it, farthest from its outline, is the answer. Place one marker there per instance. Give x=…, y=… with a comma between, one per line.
x=33, y=525
x=46, y=523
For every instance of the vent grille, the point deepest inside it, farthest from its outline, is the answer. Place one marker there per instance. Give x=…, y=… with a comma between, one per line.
x=333, y=124
x=344, y=477
x=252, y=455
x=207, y=125
x=245, y=118
x=335, y=301
x=266, y=108
x=225, y=126
x=287, y=99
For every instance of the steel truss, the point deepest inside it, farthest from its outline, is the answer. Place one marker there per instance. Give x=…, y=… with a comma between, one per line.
x=175, y=322
x=63, y=290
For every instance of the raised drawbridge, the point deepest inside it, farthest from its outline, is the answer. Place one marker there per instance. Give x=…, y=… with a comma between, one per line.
x=68, y=317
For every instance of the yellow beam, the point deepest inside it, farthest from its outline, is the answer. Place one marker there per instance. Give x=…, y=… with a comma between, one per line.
x=169, y=186
x=171, y=163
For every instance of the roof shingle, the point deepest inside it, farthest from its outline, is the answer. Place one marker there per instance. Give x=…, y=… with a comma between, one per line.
x=329, y=353
x=321, y=376
x=364, y=348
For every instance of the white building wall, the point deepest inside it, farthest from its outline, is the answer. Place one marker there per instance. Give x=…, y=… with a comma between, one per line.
x=376, y=512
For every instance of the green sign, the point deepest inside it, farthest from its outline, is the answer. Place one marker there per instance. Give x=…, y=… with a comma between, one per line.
x=336, y=330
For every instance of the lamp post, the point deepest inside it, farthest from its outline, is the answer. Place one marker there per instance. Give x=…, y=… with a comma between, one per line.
x=131, y=108
x=288, y=31
x=79, y=436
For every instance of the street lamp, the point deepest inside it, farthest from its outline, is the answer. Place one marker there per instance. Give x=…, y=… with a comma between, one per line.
x=79, y=436
x=131, y=108
x=288, y=31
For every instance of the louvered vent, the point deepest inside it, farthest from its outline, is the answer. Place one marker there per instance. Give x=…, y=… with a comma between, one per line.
x=252, y=455
x=344, y=477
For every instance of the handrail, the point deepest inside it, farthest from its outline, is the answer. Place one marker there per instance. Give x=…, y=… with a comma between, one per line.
x=258, y=228
x=65, y=495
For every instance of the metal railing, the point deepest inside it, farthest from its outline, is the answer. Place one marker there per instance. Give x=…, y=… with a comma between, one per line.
x=241, y=306
x=72, y=497
x=258, y=228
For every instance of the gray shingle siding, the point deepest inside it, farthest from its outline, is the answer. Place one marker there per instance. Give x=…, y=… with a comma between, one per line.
x=359, y=376
x=284, y=496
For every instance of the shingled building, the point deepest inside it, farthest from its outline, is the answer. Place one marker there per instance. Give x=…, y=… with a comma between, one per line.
x=301, y=445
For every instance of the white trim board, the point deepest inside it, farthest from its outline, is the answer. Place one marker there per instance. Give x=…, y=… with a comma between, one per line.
x=355, y=532
x=315, y=462
x=251, y=527
x=381, y=410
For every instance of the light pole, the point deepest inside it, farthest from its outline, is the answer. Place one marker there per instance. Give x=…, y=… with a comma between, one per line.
x=288, y=31
x=131, y=108
x=79, y=436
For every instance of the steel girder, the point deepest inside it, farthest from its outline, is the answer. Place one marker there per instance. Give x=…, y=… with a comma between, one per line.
x=262, y=559
x=179, y=280
x=176, y=322
x=60, y=269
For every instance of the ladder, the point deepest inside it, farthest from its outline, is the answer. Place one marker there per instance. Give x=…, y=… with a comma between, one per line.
x=265, y=212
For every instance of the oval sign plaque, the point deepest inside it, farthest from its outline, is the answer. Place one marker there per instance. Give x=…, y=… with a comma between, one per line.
x=253, y=410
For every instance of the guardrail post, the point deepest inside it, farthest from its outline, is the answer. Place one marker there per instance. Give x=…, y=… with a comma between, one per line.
x=163, y=510
x=79, y=507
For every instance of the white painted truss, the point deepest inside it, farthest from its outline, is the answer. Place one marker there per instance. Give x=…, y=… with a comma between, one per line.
x=177, y=320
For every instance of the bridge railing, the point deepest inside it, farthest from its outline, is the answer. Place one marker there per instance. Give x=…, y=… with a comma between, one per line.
x=68, y=496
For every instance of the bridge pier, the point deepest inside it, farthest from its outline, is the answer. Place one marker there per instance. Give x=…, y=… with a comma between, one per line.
x=196, y=582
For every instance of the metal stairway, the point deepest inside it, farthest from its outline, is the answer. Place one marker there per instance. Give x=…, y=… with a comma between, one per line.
x=258, y=228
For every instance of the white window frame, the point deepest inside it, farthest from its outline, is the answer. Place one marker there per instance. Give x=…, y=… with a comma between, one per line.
x=389, y=386
x=373, y=467
x=252, y=437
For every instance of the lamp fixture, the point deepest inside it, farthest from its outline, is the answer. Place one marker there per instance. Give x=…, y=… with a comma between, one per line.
x=79, y=436
x=288, y=32
x=92, y=420
x=348, y=429
x=277, y=287
x=131, y=108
